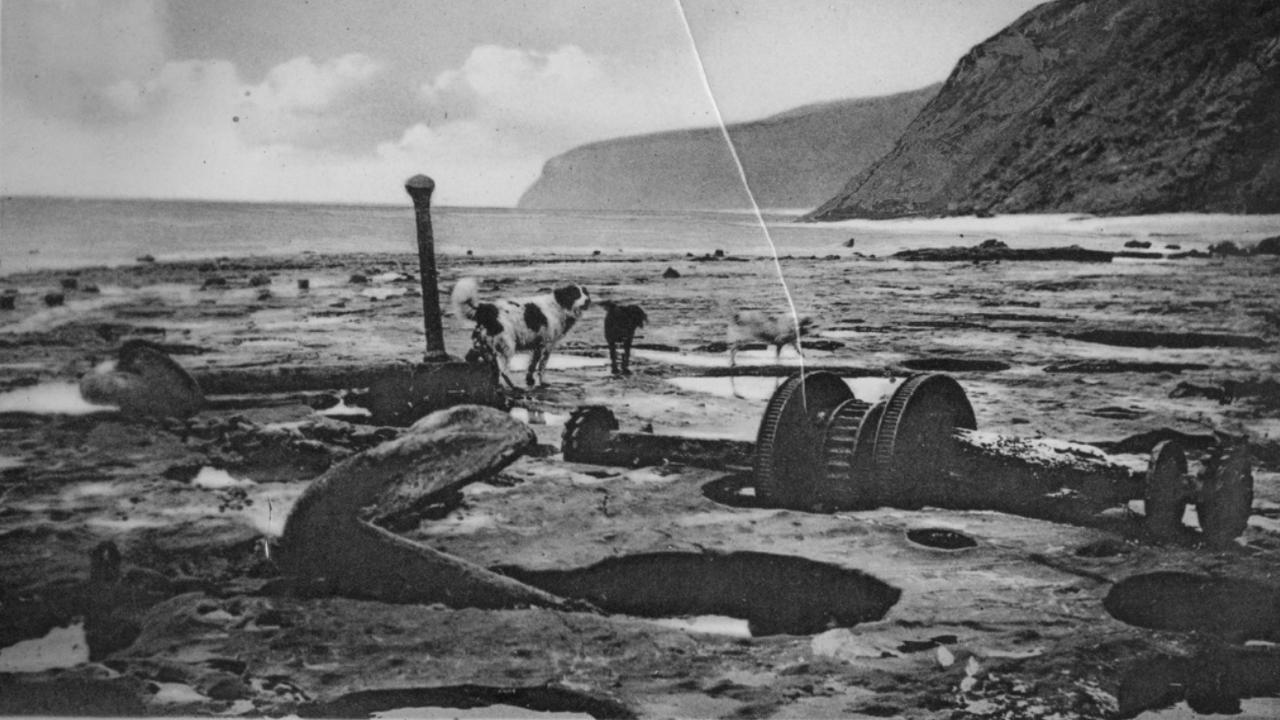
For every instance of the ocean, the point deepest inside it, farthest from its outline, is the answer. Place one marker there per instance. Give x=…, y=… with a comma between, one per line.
x=43, y=233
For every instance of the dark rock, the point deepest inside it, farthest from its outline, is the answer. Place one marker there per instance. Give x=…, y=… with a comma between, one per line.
x=8, y=300
x=1119, y=366
x=304, y=284
x=146, y=258
x=671, y=273
x=358, y=279
x=1226, y=248
x=1268, y=246
x=1140, y=244
x=260, y=280
x=213, y=282
x=69, y=283
x=996, y=250
x=54, y=299
x=1152, y=339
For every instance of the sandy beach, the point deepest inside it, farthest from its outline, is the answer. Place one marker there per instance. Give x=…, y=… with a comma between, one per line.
x=1013, y=625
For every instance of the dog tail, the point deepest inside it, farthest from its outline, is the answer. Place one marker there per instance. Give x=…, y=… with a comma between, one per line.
x=463, y=298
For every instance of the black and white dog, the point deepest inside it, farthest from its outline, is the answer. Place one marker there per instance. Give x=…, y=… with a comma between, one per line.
x=505, y=327
x=620, y=325
x=754, y=326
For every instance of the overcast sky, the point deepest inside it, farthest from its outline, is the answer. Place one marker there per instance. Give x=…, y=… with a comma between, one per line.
x=342, y=100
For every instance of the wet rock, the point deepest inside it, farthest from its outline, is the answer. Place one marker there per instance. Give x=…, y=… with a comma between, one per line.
x=950, y=364
x=995, y=250
x=1268, y=246
x=1121, y=366
x=54, y=299
x=335, y=541
x=145, y=382
x=1225, y=248
x=1180, y=340
x=1139, y=244
x=214, y=282
x=359, y=279
x=671, y=273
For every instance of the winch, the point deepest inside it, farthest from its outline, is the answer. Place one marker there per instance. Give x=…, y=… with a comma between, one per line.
x=820, y=448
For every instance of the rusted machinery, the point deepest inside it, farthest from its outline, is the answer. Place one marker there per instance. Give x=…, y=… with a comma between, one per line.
x=401, y=395
x=820, y=448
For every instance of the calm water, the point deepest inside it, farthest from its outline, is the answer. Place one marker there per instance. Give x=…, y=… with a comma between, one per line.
x=62, y=232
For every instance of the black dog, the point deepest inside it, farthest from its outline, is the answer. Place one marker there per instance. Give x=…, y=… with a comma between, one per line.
x=620, y=325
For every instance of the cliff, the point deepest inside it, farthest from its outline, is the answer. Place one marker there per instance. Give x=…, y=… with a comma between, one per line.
x=794, y=159
x=1097, y=106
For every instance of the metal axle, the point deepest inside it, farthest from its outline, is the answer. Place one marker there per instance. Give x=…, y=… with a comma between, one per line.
x=821, y=449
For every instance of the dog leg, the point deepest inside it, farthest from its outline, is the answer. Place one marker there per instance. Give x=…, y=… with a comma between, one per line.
x=613, y=359
x=533, y=367
x=542, y=365
x=626, y=355
x=501, y=361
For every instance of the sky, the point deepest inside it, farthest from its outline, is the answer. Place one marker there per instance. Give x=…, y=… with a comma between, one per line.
x=343, y=100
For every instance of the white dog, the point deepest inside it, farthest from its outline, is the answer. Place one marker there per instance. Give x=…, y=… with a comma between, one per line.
x=755, y=326
x=505, y=327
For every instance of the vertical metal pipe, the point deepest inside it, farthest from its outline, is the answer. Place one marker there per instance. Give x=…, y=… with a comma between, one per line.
x=420, y=188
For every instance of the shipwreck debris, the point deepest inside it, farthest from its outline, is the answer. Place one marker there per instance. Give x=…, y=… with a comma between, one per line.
x=821, y=449
x=335, y=541
x=145, y=382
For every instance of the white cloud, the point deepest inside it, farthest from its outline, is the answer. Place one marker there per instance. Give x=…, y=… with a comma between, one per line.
x=93, y=107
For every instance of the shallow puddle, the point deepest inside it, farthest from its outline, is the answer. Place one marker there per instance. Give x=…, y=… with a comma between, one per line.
x=708, y=625
x=50, y=399
x=866, y=389
x=63, y=647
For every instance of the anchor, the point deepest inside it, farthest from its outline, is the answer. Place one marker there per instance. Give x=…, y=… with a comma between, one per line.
x=819, y=448
x=400, y=395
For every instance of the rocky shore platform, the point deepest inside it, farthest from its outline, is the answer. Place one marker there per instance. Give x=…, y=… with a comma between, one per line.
x=690, y=596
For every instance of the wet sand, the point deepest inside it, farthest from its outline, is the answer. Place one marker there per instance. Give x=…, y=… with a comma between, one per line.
x=1012, y=626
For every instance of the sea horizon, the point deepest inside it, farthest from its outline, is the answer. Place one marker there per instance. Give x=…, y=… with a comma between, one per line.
x=64, y=232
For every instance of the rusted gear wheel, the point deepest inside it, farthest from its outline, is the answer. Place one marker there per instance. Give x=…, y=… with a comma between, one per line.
x=840, y=488
x=864, y=456
x=587, y=432
x=1165, y=493
x=914, y=446
x=788, y=465
x=1228, y=498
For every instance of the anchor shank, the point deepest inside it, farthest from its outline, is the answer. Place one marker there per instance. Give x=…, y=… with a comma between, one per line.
x=420, y=188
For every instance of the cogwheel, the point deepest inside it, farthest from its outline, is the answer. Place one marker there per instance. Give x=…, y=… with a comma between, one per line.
x=913, y=446
x=788, y=461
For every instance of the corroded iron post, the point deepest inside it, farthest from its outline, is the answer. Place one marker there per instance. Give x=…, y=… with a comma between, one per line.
x=420, y=188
